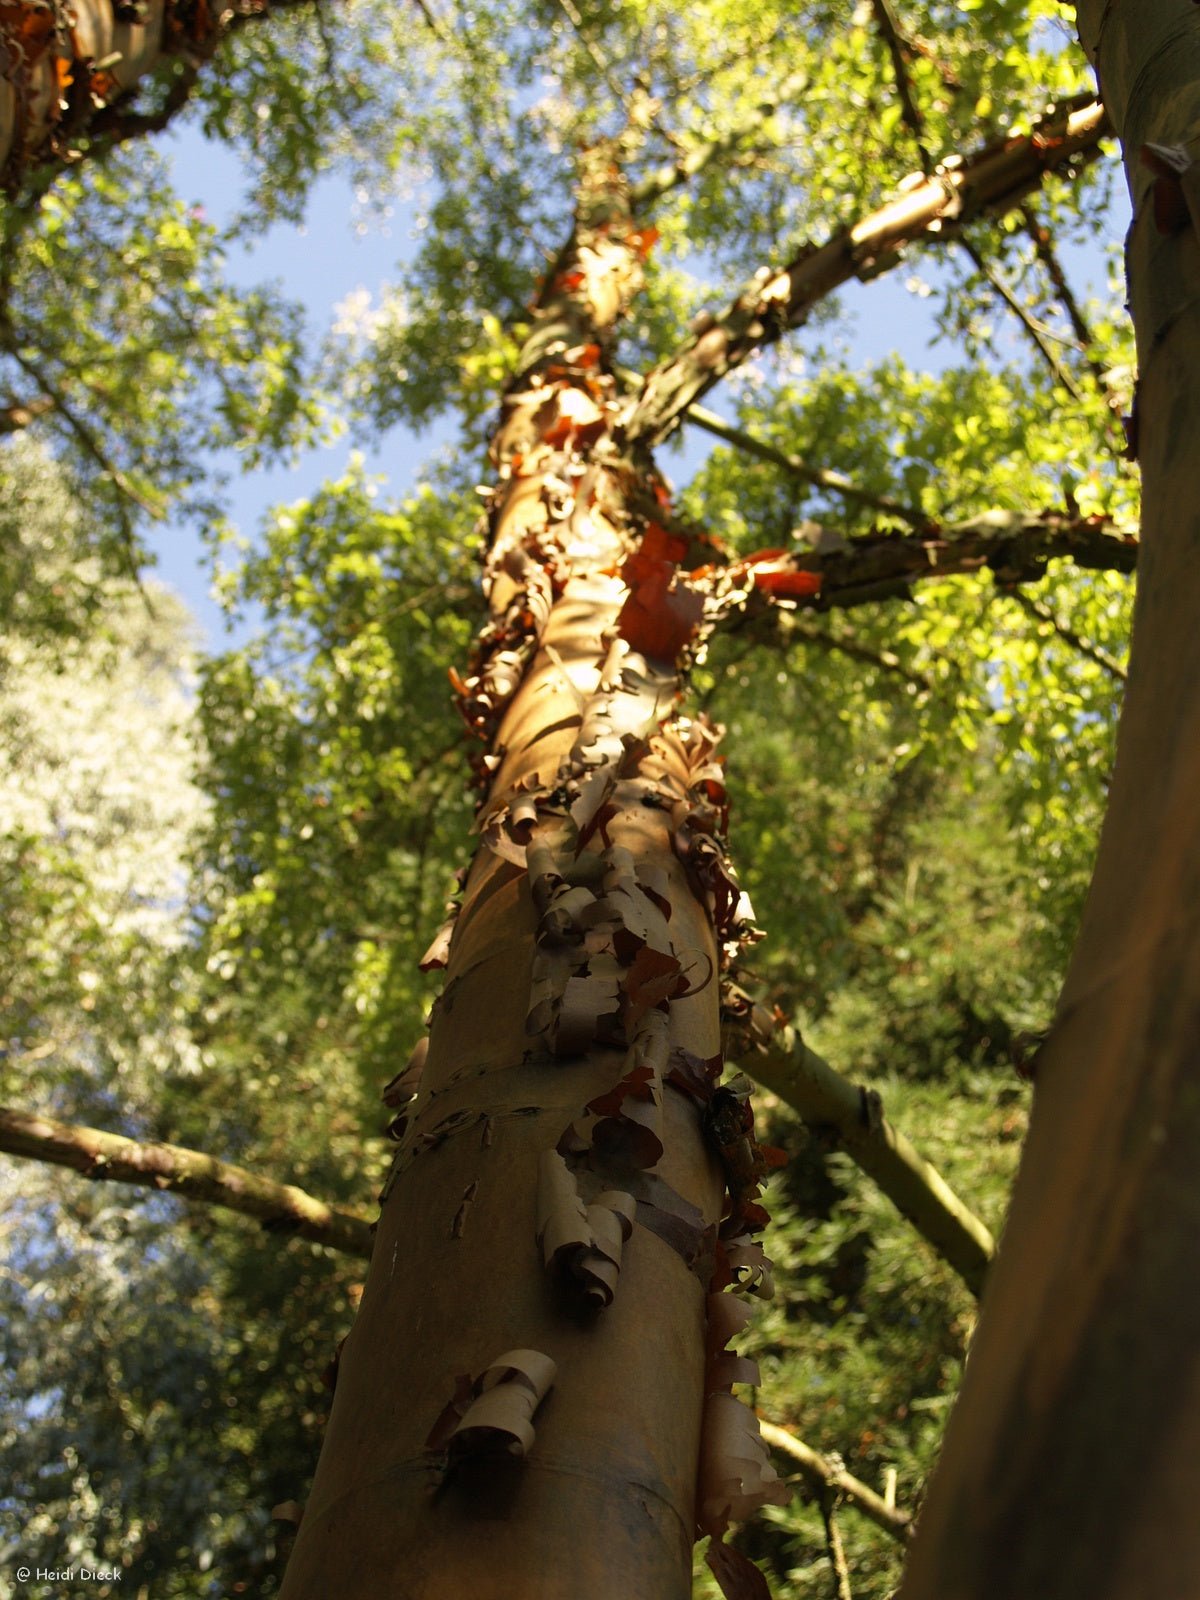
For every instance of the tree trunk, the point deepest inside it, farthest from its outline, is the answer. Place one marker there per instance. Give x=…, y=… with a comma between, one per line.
x=1072, y=1463
x=499, y=1426
x=69, y=72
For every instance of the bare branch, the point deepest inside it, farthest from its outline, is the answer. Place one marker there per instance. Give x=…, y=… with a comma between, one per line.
x=1030, y=324
x=40, y=130
x=992, y=181
x=688, y=165
x=901, y=53
x=847, y=645
x=116, y=123
x=1043, y=244
x=1014, y=546
x=572, y=13
x=91, y=446
x=836, y=1549
x=776, y=1056
x=826, y=1476
x=167, y=1167
x=819, y=477
x=1043, y=613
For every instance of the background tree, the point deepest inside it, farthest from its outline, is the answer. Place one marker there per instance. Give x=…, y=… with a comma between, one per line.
x=881, y=747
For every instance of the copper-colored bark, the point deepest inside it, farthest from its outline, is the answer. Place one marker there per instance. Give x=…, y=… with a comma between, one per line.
x=581, y=965
x=68, y=72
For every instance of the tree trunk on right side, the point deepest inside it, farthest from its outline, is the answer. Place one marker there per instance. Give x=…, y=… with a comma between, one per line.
x=1072, y=1462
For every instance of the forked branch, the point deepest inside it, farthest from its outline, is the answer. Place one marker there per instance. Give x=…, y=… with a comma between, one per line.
x=828, y=1476
x=778, y=1058
x=993, y=181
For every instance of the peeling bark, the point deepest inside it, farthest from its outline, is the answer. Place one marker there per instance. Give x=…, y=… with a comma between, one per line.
x=572, y=1055
x=991, y=181
x=71, y=72
x=829, y=571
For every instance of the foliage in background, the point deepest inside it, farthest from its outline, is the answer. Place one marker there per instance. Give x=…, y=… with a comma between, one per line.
x=217, y=877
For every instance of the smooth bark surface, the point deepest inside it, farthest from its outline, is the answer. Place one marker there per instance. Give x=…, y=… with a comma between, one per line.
x=1072, y=1462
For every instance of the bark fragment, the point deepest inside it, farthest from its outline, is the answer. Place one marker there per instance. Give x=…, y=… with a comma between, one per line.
x=494, y=1412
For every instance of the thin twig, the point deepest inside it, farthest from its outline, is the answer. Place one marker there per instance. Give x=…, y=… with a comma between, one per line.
x=571, y=11
x=1043, y=244
x=1030, y=324
x=837, y=1551
x=819, y=477
x=848, y=645
x=827, y=1475
x=92, y=448
x=674, y=173
x=1093, y=652
x=901, y=53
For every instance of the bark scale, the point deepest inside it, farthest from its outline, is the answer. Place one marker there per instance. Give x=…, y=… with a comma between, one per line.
x=520, y=1404
x=1072, y=1462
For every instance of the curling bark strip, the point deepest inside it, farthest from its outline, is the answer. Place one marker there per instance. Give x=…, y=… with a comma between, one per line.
x=109, y=1157
x=776, y=300
x=552, y=1174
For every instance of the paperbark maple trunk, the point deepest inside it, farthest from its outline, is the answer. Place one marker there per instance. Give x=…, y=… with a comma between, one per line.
x=69, y=71
x=580, y=970
x=1072, y=1462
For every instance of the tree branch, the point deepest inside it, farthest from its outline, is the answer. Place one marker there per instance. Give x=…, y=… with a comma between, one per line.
x=1032, y=328
x=835, y=1548
x=92, y=448
x=819, y=477
x=993, y=181
x=168, y=1167
x=1043, y=244
x=673, y=174
x=847, y=645
x=830, y=1476
x=39, y=125
x=1042, y=613
x=1014, y=546
x=776, y=1056
x=901, y=51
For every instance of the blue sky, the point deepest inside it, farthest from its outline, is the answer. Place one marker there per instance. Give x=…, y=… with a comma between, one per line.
x=341, y=247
